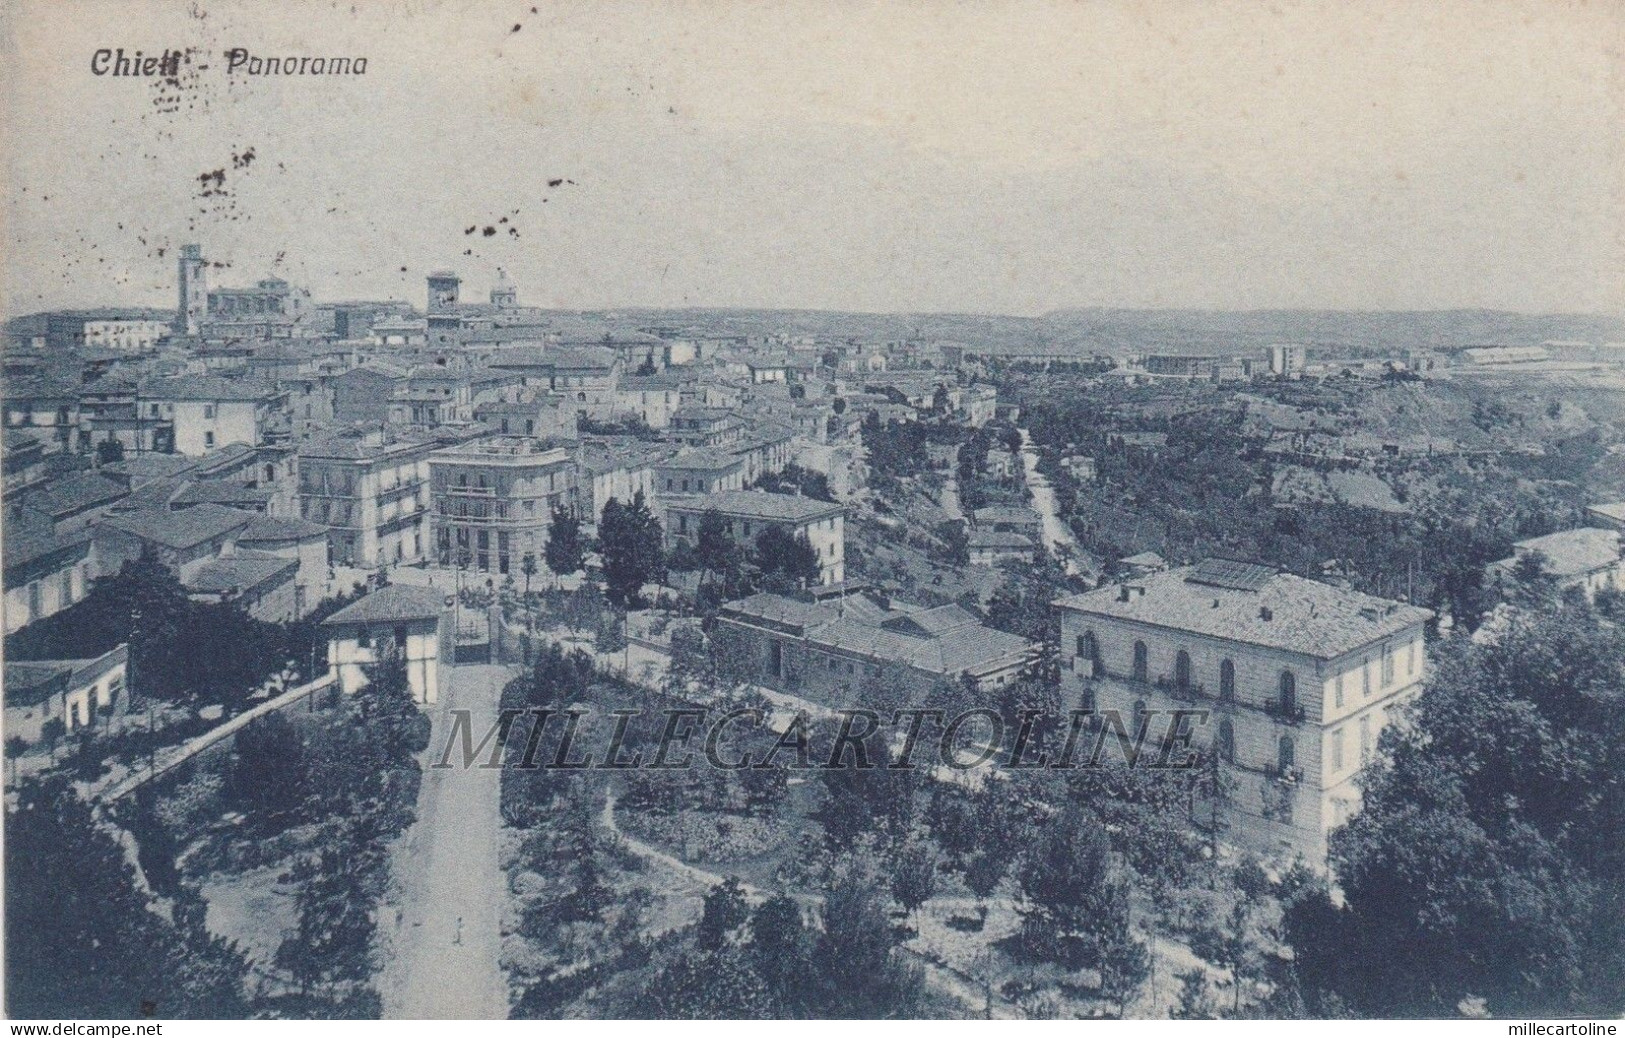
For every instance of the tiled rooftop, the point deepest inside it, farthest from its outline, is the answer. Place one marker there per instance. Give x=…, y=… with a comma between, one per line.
x=395, y=602
x=759, y=504
x=1286, y=612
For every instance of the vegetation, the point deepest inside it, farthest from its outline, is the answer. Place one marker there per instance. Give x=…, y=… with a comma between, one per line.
x=82, y=940
x=1489, y=861
x=631, y=544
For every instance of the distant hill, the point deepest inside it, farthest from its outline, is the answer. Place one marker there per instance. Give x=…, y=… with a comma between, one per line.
x=1112, y=331
x=1196, y=331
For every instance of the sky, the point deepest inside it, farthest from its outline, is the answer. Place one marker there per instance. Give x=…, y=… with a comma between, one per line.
x=971, y=157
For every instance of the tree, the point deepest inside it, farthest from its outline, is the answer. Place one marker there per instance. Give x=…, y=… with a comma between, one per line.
x=1195, y=997
x=780, y=950
x=1072, y=898
x=715, y=549
x=566, y=551
x=914, y=875
x=16, y=746
x=631, y=544
x=109, y=452
x=786, y=559
x=52, y=732
x=984, y=871
x=1124, y=963
x=706, y=985
x=331, y=946
x=81, y=940
x=1488, y=860
x=724, y=912
x=268, y=776
x=858, y=971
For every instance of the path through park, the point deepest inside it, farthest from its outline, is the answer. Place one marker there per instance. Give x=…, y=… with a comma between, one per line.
x=445, y=953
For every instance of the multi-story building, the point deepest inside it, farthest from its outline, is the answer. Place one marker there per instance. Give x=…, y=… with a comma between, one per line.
x=706, y=426
x=652, y=398
x=980, y=403
x=111, y=409
x=1288, y=359
x=130, y=335
x=371, y=493
x=619, y=469
x=746, y=513
x=1298, y=679
x=493, y=499
x=700, y=470
x=533, y=413
x=414, y=622
x=45, y=571
x=211, y=412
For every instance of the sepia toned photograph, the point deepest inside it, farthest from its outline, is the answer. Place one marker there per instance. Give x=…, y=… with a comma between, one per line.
x=802, y=510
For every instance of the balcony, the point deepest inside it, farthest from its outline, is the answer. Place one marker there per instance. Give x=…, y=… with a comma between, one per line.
x=1285, y=713
x=1285, y=776
x=1184, y=691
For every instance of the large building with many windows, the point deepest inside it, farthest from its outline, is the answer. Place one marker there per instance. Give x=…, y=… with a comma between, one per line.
x=372, y=494
x=1297, y=679
x=494, y=498
x=746, y=513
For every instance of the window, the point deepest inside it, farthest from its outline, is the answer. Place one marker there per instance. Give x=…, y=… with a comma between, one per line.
x=1286, y=754
x=1182, y=669
x=1410, y=659
x=208, y=439
x=1289, y=692
x=1139, y=661
x=1337, y=750
x=1365, y=739
x=1340, y=691
x=1227, y=680
x=1088, y=648
x=364, y=638
x=400, y=637
x=208, y=410
x=1387, y=665
x=1227, y=741
x=1365, y=677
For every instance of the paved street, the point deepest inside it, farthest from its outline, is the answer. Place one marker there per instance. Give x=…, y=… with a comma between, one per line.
x=445, y=959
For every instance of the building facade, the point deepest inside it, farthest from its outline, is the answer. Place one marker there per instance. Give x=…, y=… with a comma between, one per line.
x=747, y=513
x=493, y=498
x=414, y=622
x=1297, y=678
x=372, y=494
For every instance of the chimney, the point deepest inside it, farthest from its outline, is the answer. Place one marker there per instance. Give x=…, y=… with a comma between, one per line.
x=1266, y=613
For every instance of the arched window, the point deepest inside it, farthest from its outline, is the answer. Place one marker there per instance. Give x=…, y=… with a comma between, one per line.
x=1227, y=740
x=1182, y=669
x=1289, y=692
x=1140, y=664
x=1227, y=680
x=1087, y=647
x=1286, y=754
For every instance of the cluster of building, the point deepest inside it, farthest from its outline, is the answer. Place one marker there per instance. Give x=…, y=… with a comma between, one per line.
x=270, y=449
